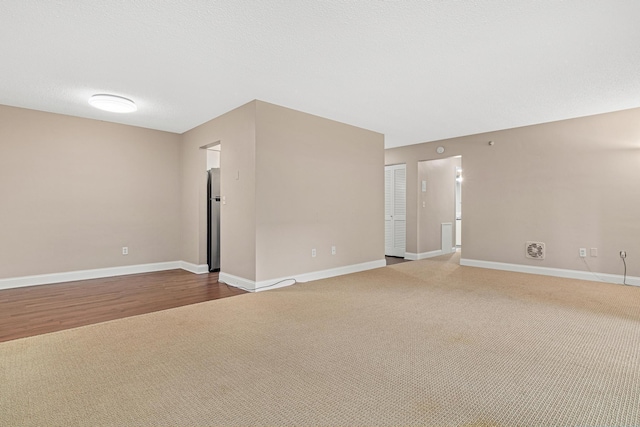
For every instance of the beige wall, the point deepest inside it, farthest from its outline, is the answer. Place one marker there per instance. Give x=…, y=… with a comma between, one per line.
x=292, y=182
x=319, y=183
x=570, y=184
x=436, y=205
x=74, y=191
x=235, y=130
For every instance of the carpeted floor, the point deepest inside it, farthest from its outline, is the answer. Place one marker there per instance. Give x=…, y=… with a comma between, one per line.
x=426, y=343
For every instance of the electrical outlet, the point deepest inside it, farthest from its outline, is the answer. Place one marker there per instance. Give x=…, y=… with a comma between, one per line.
x=583, y=252
x=313, y=252
x=623, y=254
x=333, y=250
x=125, y=250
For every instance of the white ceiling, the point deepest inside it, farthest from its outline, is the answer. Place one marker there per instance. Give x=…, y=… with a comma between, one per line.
x=414, y=70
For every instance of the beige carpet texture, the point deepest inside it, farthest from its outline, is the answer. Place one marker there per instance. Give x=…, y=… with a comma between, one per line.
x=423, y=343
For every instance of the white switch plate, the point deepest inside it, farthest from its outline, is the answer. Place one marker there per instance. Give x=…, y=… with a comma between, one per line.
x=333, y=250
x=594, y=251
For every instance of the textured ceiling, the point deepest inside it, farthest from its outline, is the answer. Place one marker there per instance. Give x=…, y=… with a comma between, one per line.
x=414, y=70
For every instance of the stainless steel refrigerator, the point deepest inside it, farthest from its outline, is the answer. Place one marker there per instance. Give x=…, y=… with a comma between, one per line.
x=213, y=219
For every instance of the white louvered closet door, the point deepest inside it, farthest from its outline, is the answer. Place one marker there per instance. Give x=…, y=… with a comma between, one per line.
x=395, y=210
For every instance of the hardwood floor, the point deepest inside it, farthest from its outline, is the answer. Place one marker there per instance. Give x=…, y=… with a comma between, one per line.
x=42, y=309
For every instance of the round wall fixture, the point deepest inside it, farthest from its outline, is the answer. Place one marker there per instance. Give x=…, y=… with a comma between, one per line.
x=113, y=103
x=440, y=150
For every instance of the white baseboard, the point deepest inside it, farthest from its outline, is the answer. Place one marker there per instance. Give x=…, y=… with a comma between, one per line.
x=194, y=268
x=252, y=286
x=237, y=282
x=556, y=272
x=422, y=255
x=71, y=276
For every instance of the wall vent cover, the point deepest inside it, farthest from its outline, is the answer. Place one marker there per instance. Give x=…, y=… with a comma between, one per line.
x=534, y=250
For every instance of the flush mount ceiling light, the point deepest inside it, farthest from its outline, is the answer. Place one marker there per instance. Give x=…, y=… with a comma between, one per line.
x=113, y=103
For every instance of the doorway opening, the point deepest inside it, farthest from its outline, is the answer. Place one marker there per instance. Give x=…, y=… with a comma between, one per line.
x=213, y=206
x=459, y=180
x=439, y=219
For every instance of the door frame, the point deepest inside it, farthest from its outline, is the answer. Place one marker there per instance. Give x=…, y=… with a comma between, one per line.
x=395, y=215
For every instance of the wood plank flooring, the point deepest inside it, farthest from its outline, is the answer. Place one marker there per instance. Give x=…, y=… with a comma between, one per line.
x=42, y=309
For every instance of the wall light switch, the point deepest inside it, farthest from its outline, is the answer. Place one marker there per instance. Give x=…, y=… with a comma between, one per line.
x=424, y=186
x=333, y=250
